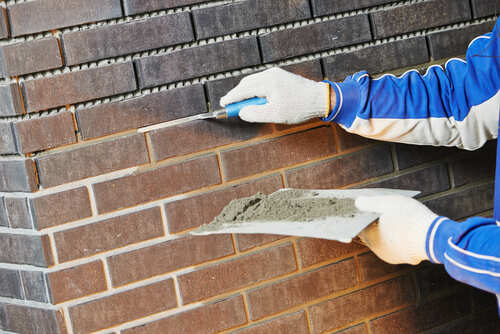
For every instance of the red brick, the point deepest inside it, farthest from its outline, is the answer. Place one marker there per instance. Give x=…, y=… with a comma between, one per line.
x=312, y=251
x=10, y=100
x=301, y=289
x=341, y=171
x=30, y=56
x=157, y=183
x=119, y=39
x=17, y=175
x=361, y=304
x=178, y=140
x=168, y=256
x=77, y=282
x=371, y=267
x=141, y=6
x=105, y=119
x=278, y=153
x=42, y=133
x=91, y=160
x=231, y=275
x=201, y=209
x=108, y=234
x=207, y=319
x=249, y=241
x=295, y=323
x=348, y=140
x=359, y=329
x=60, y=208
x=18, y=212
x=37, y=16
x=78, y=86
x=123, y=307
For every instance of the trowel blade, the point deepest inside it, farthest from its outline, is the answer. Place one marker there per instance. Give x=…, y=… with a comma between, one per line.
x=342, y=229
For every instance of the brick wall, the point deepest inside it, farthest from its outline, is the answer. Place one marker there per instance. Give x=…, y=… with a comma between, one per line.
x=94, y=215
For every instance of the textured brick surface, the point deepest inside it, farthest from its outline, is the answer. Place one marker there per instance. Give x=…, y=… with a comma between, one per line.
x=278, y=153
x=18, y=212
x=248, y=241
x=207, y=319
x=360, y=304
x=10, y=100
x=324, y=7
x=483, y=8
x=10, y=284
x=105, y=119
x=25, y=249
x=295, y=323
x=168, y=256
x=329, y=174
x=60, y=208
x=109, y=234
x=42, y=133
x=36, y=16
x=4, y=26
x=111, y=41
x=78, y=86
x=35, y=286
x=123, y=306
x=359, y=329
x=31, y=56
x=371, y=267
x=312, y=251
x=7, y=139
x=17, y=175
x=433, y=279
x=454, y=42
x=315, y=37
x=203, y=60
x=235, y=274
x=221, y=20
x=100, y=158
x=301, y=289
x=482, y=162
x=30, y=320
x=412, y=155
x=157, y=183
x=390, y=56
x=419, y=16
x=77, y=282
x=141, y=6
x=4, y=219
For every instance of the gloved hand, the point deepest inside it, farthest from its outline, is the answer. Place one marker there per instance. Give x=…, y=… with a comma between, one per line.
x=291, y=99
x=401, y=231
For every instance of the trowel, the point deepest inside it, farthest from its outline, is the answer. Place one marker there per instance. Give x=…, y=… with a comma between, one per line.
x=341, y=228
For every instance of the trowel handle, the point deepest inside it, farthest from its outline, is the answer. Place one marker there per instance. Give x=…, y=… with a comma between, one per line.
x=233, y=109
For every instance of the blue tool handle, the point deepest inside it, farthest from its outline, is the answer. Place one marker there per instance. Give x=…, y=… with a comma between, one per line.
x=233, y=109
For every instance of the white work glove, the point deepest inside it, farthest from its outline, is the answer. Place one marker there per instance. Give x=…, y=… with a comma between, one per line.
x=291, y=99
x=401, y=231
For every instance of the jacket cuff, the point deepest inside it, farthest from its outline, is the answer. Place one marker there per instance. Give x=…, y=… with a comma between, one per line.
x=347, y=103
x=441, y=229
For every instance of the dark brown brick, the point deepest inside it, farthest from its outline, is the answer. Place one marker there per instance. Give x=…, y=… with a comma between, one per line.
x=115, y=40
x=249, y=241
x=419, y=16
x=141, y=6
x=105, y=119
x=60, y=208
x=483, y=323
x=168, y=256
x=295, y=323
x=454, y=42
x=42, y=133
x=231, y=275
x=207, y=319
x=301, y=289
x=30, y=56
x=7, y=139
x=325, y=7
x=334, y=173
x=10, y=100
x=464, y=203
x=78, y=86
x=77, y=282
x=315, y=37
x=18, y=212
x=86, y=161
x=359, y=329
x=371, y=267
x=312, y=251
x=349, y=141
x=157, y=183
x=360, y=304
x=203, y=60
x=392, y=55
x=30, y=320
x=412, y=155
x=201, y=209
x=433, y=279
x=32, y=17
x=4, y=26
x=25, y=249
x=10, y=284
x=308, y=69
x=109, y=234
x=122, y=307
x=35, y=286
x=17, y=175
x=482, y=8
x=278, y=153
x=475, y=166
x=178, y=140
x=247, y=15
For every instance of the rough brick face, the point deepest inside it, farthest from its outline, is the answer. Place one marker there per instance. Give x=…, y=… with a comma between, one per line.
x=7, y=139
x=10, y=284
x=18, y=212
x=141, y=6
x=25, y=249
x=371, y=267
x=315, y=37
x=10, y=100
x=30, y=320
x=34, y=285
x=78, y=86
x=324, y=7
x=483, y=8
x=203, y=60
x=312, y=251
x=295, y=323
x=111, y=41
x=36, y=16
x=17, y=175
x=4, y=27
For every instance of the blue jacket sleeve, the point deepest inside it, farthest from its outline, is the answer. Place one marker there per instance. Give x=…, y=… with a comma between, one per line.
x=455, y=106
